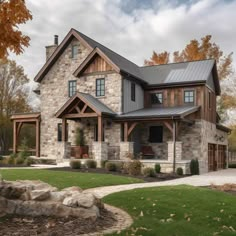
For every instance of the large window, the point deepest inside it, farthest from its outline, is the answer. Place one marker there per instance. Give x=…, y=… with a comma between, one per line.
x=133, y=92
x=71, y=88
x=100, y=87
x=189, y=96
x=74, y=51
x=59, y=132
x=156, y=98
x=156, y=134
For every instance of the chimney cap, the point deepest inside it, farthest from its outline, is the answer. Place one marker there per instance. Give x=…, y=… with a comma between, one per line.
x=56, y=39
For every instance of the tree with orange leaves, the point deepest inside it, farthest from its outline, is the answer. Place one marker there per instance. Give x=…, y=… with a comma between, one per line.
x=12, y=14
x=204, y=49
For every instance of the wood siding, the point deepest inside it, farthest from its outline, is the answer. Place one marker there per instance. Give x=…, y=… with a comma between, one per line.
x=98, y=65
x=175, y=97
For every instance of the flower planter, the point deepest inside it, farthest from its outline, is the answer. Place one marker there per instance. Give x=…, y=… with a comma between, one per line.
x=79, y=151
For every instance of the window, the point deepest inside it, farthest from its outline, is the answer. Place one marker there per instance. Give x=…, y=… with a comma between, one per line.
x=96, y=133
x=71, y=88
x=156, y=98
x=74, y=51
x=189, y=96
x=100, y=87
x=59, y=132
x=156, y=134
x=209, y=100
x=133, y=92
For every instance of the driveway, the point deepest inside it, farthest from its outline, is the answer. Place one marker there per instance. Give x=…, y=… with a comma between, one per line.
x=218, y=178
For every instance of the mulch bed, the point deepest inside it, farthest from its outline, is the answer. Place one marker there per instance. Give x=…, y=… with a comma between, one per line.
x=51, y=226
x=158, y=178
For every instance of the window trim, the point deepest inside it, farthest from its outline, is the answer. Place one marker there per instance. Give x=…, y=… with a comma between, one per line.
x=189, y=90
x=59, y=137
x=104, y=90
x=133, y=91
x=74, y=55
x=70, y=82
x=161, y=103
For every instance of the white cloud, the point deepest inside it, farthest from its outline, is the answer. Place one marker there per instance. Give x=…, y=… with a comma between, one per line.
x=165, y=25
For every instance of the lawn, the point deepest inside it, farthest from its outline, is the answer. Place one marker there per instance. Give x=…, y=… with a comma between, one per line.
x=179, y=210
x=63, y=179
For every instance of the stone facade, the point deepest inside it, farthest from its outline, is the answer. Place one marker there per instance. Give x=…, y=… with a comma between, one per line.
x=100, y=151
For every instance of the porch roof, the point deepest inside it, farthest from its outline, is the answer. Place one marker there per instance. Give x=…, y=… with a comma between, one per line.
x=160, y=112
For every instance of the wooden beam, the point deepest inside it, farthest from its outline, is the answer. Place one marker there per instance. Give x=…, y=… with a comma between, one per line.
x=63, y=138
x=85, y=115
x=19, y=126
x=131, y=128
x=75, y=107
x=84, y=108
x=37, y=138
x=168, y=125
x=14, y=136
x=100, y=129
x=174, y=145
x=126, y=132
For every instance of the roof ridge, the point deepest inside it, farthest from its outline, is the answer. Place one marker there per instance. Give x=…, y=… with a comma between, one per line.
x=181, y=62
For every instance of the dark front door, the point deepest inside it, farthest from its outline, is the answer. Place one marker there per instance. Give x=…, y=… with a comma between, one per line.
x=212, y=163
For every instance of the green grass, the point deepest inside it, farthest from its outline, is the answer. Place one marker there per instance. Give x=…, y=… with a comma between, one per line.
x=63, y=179
x=197, y=211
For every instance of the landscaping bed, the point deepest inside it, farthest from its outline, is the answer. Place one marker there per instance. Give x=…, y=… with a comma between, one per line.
x=157, y=178
x=25, y=225
x=227, y=188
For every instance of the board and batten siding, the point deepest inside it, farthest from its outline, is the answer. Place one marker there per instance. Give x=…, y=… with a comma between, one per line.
x=128, y=104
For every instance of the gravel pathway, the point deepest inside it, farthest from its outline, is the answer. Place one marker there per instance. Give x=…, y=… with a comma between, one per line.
x=218, y=178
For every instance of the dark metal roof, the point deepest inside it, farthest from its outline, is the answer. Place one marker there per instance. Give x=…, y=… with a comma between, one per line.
x=96, y=103
x=223, y=128
x=169, y=112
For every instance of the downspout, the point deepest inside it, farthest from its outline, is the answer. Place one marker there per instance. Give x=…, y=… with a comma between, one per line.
x=174, y=143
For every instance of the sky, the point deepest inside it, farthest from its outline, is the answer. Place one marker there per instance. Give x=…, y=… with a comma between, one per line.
x=132, y=28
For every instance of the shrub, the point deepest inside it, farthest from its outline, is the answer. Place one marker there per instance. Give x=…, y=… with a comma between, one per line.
x=158, y=168
x=179, y=171
x=28, y=161
x=75, y=164
x=19, y=160
x=134, y=167
x=110, y=166
x=232, y=165
x=1, y=158
x=91, y=164
x=149, y=172
x=194, y=167
x=103, y=163
x=11, y=160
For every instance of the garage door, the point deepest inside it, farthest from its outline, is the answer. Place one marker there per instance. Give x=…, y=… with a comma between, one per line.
x=221, y=158
x=211, y=157
x=216, y=157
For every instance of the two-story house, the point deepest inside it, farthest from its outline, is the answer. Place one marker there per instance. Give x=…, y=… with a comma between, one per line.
x=168, y=111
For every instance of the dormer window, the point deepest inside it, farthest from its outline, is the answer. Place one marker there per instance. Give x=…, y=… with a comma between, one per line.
x=74, y=51
x=71, y=88
x=157, y=98
x=189, y=96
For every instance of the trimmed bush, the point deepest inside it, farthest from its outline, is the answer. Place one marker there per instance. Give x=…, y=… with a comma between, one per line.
x=179, y=171
x=75, y=164
x=103, y=163
x=11, y=160
x=28, y=161
x=91, y=164
x=110, y=166
x=194, y=167
x=232, y=165
x=19, y=160
x=149, y=172
x=158, y=168
x=134, y=167
x=1, y=158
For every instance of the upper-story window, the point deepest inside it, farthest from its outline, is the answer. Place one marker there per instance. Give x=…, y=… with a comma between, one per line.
x=189, y=96
x=71, y=88
x=157, y=98
x=74, y=51
x=100, y=87
x=133, y=92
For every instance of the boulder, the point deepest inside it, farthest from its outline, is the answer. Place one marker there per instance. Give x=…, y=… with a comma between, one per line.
x=59, y=196
x=73, y=189
x=85, y=200
x=70, y=202
x=39, y=195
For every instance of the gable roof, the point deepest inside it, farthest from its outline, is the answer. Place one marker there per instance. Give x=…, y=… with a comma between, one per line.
x=169, y=74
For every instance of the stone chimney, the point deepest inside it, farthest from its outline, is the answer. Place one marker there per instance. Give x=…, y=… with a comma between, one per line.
x=52, y=48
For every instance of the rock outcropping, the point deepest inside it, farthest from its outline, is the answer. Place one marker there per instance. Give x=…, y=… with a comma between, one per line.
x=36, y=198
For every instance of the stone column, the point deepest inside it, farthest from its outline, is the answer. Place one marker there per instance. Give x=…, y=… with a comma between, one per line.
x=126, y=148
x=100, y=151
x=178, y=151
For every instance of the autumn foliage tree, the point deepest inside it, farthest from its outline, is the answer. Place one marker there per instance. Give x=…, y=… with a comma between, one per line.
x=13, y=98
x=201, y=50
x=12, y=14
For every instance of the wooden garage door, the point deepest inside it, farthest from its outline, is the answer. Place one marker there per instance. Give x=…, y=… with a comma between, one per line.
x=211, y=157
x=221, y=157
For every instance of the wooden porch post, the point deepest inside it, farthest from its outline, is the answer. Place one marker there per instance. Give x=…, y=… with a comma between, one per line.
x=14, y=136
x=100, y=129
x=126, y=131
x=63, y=131
x=174, y=144
x=37, y=124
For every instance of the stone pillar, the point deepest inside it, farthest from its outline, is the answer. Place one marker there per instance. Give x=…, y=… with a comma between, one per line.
x=178, y=151
x=100, y=152
x=126, y=148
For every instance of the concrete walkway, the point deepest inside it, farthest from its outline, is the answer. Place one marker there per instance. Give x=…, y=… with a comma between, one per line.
x=218, y=178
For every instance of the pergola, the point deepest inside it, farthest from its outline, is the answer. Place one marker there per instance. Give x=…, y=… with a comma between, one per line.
x=26, y=118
